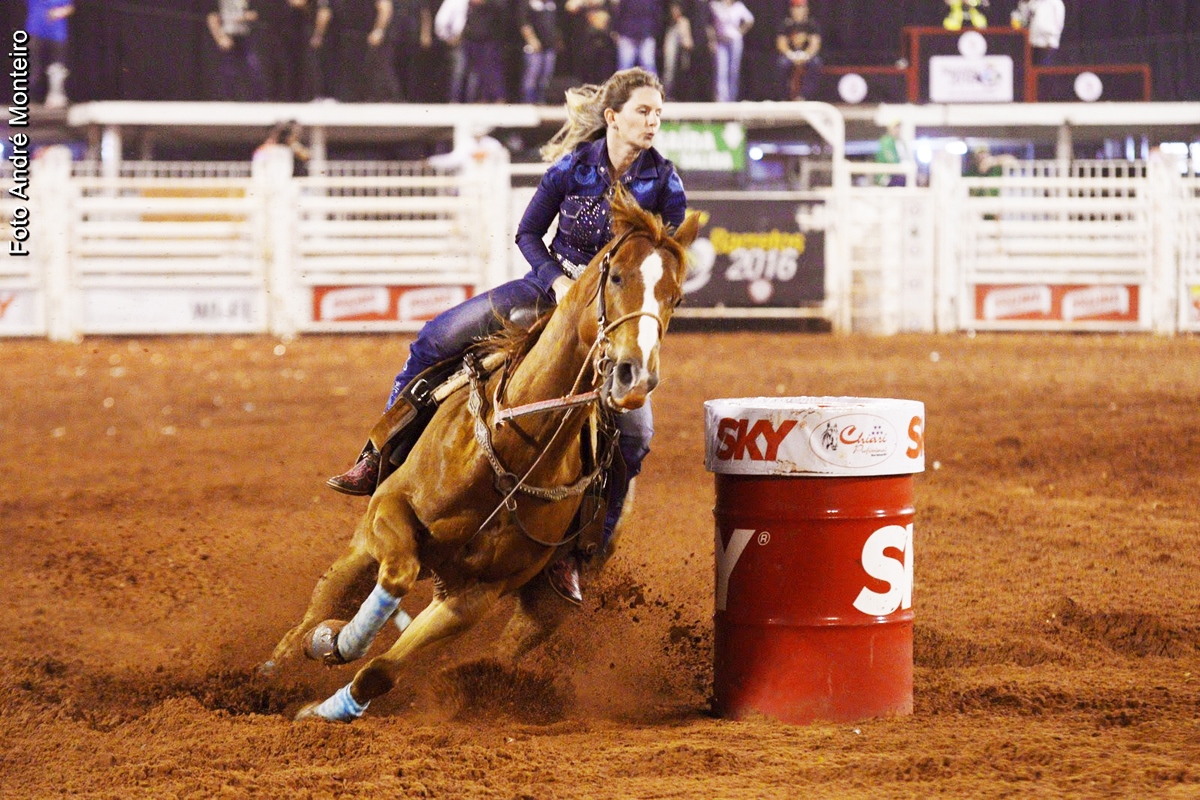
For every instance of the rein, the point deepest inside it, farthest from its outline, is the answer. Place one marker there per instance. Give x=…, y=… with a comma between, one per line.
x=507, y=483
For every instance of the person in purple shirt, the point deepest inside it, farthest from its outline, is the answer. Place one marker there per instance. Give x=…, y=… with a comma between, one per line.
x=608, y=138
x=46, y=24
x=637, y=25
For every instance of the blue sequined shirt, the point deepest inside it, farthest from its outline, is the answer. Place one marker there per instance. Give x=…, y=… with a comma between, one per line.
x=574, y=189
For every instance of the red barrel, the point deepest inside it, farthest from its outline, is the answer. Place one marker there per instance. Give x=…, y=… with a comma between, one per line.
x=814, y=524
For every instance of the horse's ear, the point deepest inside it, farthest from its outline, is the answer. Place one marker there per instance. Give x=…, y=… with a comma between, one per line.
x=686, y=234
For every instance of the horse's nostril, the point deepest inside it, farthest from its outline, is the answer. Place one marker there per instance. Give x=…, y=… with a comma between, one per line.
x=625, y=373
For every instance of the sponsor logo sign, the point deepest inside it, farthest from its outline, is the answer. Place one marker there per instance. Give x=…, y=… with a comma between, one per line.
x=822, y=436
x=385, y=303
x=887, y=557
x=18, y=310
x=703, y=146
x=752, y=253
x=217, y=310
x=964, y=79
x=1057, y=303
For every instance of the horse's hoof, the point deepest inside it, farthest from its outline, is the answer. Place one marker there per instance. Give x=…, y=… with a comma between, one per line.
x=309, y=712
x=321, y=643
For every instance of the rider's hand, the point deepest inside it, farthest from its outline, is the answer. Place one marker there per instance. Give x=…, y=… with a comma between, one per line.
x=560, y=286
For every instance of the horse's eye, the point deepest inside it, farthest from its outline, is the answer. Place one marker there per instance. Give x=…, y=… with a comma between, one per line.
x=614, y=279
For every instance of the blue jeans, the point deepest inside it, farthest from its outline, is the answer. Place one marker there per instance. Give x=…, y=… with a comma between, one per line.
x=451, y=332
x=729, y=70
x=635, y=52
x=539, y=68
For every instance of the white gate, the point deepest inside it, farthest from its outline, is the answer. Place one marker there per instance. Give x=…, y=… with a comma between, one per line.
x=22, y=288
x=1049, y=250
x=889, y=239
x=1189, y=255
x=387, y=246
x=153, y=249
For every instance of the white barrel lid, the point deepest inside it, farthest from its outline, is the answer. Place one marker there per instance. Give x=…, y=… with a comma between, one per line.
x=831, y=436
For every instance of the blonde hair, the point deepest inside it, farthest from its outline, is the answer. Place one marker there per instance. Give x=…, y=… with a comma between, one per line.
x=586, y=105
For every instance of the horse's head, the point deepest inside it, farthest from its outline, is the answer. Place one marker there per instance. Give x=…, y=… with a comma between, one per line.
x=642, y=271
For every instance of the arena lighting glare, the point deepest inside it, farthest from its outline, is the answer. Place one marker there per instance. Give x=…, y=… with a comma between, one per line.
x=957, y=147
x=924, y=151
x=755, y=153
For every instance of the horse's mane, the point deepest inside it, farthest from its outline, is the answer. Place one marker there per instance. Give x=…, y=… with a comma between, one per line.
x=515, y=341
x=628, y=215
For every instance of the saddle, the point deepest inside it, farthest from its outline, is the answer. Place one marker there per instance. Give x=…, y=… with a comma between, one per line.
x=400, y=427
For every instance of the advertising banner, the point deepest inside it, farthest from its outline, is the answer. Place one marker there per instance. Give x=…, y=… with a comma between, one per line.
x=703, y=146
x=231, y=310
x=1057, y=303
x=751, y=253
x=385, y=303
x=958, y=79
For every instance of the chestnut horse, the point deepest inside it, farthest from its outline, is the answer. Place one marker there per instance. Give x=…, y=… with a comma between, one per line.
x=445, y=512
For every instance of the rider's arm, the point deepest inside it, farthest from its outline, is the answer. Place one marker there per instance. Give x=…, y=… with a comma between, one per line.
x=539, y=215
x=673, y=200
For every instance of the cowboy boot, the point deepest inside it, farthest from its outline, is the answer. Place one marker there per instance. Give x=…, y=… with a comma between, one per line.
x=954, y=20
x=359, y=480
x=563, y=574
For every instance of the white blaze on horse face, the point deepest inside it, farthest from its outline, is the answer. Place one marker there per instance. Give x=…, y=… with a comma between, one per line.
x=652, y=272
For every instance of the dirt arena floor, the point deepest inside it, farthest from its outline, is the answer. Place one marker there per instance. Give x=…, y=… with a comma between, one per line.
x=163, y=520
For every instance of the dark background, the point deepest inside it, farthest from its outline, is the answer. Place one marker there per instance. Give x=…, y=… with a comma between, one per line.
x=161, y=49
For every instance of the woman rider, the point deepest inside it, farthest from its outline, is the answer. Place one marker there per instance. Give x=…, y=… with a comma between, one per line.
x=608, y=137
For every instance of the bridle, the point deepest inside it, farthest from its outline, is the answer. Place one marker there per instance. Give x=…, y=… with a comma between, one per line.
x=507, y=483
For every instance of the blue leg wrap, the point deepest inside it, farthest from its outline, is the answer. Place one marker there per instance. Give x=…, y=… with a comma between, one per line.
x=341, y=706
x=355, y=639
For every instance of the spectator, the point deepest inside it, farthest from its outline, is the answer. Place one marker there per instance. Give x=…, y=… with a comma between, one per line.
x=891, y=150
x=316, y=15
x=636, y=25
x=539, y=29
x=241, y=72
x=448, y=24
x=677, y=48
x=730, y=20
x=954, y=18
x=760, y=55
x=1044, y=19
x=413, y=25
x=593, y=45
x=288, y=135
x=46, y=24
x=799, y=45
x=364, y=73
x=483, y=38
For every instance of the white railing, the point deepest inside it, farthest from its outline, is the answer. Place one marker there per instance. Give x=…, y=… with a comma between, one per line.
x=1088, y=247
x=164, y=248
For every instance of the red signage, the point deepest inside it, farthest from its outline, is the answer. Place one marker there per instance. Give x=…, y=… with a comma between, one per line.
x=1057, y=303
x=385, y=303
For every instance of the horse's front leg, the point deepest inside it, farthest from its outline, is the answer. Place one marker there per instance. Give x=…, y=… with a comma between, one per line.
x=442, y=619
x=328, y=595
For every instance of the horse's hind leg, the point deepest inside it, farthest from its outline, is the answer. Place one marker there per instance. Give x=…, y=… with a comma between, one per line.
x=441, y=620
x=539, y=612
